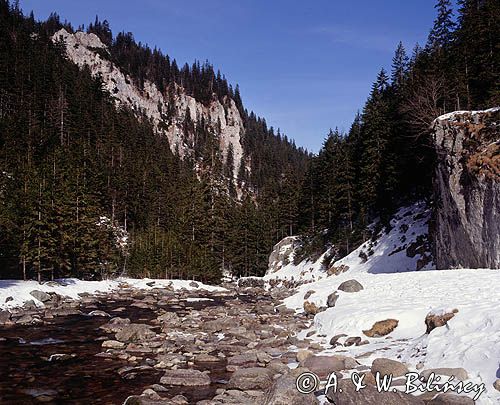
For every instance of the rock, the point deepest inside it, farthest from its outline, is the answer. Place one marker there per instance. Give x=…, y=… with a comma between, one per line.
x=284, y=310
x=135, y=332
x=388, y=366
x=40, y=295
x=255, y=378
x=240, y=360
x=310, y=308
x=334, y=340
x=332, y=299
x=206, y=358
x=25, y=320
x=352, y=341
x=9, y=299
x=99, y=313
x=308, y=294
x=467, y=190
x=61, y=357
x=322, y=366
x=168, y=317
x=245, y=282
x=303, y=354
x=29, y=305
x=194, y=284
x=284, y=392
x=451, y=399
x=496, y=384
x=382, y=328
x=282, y=253
x=113, y=344
x=185, y=378
x=433, y=321
x=4, y=317
x=458, y=373
x=346, y=395
x=350, y=286
x=115, y=325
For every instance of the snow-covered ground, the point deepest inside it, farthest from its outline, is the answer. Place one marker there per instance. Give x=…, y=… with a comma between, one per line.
x=71, y=287
x=471, y=339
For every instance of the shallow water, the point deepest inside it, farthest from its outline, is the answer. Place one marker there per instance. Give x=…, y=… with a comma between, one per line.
x=27, y=377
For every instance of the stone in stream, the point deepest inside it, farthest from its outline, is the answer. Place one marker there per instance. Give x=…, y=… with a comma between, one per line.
x=284, y=392
x=40, y=295
x=254, y=378
x=185, y=378
x=346, y=394
x=135, y=332
x=61, y=357
x=99, y=313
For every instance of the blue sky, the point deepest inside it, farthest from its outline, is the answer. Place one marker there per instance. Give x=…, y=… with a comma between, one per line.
x=305, y=66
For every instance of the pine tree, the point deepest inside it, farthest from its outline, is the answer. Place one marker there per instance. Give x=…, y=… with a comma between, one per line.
x=441, y=35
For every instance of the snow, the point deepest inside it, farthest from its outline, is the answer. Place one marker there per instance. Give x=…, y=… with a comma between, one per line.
x=470, y=340
x=453, y=115
x=71, y=287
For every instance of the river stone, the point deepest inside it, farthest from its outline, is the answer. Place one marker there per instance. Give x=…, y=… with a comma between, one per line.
x=284, y=392
x=185, y=378
x=254, y=378
x=388, y=366
x=350, y=286
x=40, y=295
x=4, y=316
x=451, y=399
x=135, y=332
x=346, y=395
x=459, y=373
x=113, y=344
x=332, y=299
x=323, y=366
x=242, y=359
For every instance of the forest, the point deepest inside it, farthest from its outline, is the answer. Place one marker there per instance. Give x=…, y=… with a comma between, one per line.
x=88, y=190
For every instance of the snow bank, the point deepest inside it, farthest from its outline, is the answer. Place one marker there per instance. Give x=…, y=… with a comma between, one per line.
x=71, y=287
x=392, y=289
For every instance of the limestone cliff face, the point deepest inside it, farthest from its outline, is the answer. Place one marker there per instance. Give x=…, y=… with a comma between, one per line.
x=87, y=50
x=467, y=189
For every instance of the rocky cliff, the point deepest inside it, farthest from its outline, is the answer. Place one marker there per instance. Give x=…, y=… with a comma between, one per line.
x=467, y=189
x=87, y=50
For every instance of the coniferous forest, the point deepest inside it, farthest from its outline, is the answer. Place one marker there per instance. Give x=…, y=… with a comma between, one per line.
x=89, y=190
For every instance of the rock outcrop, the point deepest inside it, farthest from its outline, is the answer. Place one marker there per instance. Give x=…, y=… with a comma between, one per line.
x=467, y=189
x=87, y=50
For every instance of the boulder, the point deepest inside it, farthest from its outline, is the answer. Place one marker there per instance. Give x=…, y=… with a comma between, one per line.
x=135, y=332
x=4, y=316
x=332, y=299
x=310, y=308
x=451, y=399
x=496, y=384
x=346, y=395
x=388, y=366
x=284, y=392
x=255, y=378
x=459, y=373
x=185, y=378
x=350, y=286
x=40, y=295
x=382, y=328
x=433, y=321
x=304, y=354
x=115, y=325
x=113, y=344
x=323, y=366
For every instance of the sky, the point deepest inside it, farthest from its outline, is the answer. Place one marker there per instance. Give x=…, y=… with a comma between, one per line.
x=305, y=66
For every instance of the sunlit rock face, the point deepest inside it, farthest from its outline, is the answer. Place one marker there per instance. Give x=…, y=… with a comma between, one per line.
x=467, y=189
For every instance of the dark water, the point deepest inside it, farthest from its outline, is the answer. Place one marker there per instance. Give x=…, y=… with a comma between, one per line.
x=25, y=373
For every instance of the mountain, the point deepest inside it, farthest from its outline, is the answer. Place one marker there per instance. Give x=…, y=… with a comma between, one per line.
x=104, y=140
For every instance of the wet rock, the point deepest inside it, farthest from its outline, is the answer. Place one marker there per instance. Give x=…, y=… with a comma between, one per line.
x=346, y=395
x=382, y=328
x=61, y=357
x=458, y=373
x=113, y=344
x=284, y=392
x=255, y=378
x=451, y=399
x=332, y=299
x=433, y=321
x=40, y=295
x=350, y=286
x=388, y=366
x=185, y=378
